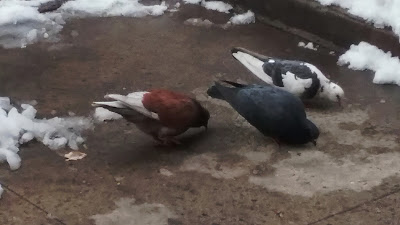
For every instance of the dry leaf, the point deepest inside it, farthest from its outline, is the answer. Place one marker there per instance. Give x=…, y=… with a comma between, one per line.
x=74, y=155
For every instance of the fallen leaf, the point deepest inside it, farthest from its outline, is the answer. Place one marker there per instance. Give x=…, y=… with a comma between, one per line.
x=74, y=155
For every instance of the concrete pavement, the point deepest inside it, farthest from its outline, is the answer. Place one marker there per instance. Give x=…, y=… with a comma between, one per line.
x=229, y=175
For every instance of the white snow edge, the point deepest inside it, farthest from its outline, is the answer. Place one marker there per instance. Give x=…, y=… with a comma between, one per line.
x=244, y=18
x=366, y=56
x=380, y=12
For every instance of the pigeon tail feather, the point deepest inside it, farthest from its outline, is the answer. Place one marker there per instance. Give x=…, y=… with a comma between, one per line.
x=254, y=54
x=114, y=104
x=219, y=91
x=234, y=83
x=253, y=64
x=214, y=92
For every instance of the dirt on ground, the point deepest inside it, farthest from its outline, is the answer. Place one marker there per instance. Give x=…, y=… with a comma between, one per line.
x=230, y=174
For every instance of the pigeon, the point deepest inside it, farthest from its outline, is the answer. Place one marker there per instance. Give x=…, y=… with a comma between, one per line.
x=275, y=112
x=300, y=78
x=163, y=114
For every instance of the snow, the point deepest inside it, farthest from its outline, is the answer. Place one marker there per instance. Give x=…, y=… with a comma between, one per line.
x=198, y=22
x=20, y=127
x=192, y=1
x=176, y=7
x=217, y=6
x=102, y=114
x=309, y=45
x=245, y=18
x=366, y=56
x=21, y=24
x=106, y=8
x=379, y=12
x=212, y=5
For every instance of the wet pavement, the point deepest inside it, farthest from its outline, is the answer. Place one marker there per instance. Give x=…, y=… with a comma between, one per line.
x=229, y=175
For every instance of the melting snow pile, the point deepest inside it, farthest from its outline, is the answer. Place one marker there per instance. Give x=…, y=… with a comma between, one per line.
x=106, y=8
x=198, y=22
x=211, y=5
x=21, y=127
x=192, y=1
x=102, y=114
x=366, y=56
x=380, y=12
x=309, y=45
x=245, y=18
x=217, y=6
x=21, y=23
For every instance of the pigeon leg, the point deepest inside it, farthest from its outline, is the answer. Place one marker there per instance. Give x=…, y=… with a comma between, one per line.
x=167, y=136
x=160, y=142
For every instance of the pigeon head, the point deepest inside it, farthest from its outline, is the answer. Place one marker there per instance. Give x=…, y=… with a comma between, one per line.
x=332, y=92
x=202, y=117
x=313, y=131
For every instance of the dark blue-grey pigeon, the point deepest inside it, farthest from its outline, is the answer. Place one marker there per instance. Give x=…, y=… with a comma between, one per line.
x=273, y=111
x=297, y=77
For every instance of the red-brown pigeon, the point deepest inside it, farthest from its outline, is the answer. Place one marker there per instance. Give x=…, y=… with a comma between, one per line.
x=163, y=114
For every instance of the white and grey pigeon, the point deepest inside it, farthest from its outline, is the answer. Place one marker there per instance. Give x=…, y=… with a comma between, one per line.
x=300, y=78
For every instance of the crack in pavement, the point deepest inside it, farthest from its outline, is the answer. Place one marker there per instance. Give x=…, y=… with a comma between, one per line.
x=356, y=206
x=6, y=187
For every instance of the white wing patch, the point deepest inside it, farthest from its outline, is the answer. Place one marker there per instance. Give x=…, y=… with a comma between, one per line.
x=315, y=70
x=115, y=104
x=295, y=85
x=134, y=101
x=254, y=65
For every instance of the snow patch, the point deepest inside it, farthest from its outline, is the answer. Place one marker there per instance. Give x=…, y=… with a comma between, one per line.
x=107, y=8
x=211, y=5
x=245, y=18
x=129, y=213
x=379, y=12
x=21, y=127
x=102, y=114
x=309, y=45
x=217, y=6
x=198, y=22
x=21, y=23
x=175, y=8
x=366, y=56
x=192, y=1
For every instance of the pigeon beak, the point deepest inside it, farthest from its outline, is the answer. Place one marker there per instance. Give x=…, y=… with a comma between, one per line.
x=314, y=142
